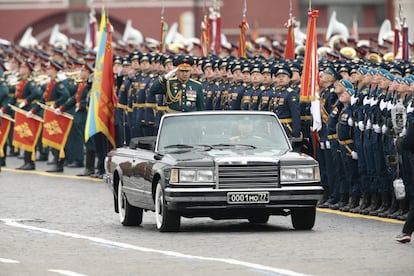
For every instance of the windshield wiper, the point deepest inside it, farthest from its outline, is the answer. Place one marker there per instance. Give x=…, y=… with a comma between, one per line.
x=180, y=146
x=233, y=145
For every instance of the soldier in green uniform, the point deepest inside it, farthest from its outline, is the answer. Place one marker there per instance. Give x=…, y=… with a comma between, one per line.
x=4, y=99
x=183, y=94
x=26, y=94
x=55, y=95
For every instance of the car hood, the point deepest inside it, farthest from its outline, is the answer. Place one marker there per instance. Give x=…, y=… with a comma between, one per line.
x=238, y=155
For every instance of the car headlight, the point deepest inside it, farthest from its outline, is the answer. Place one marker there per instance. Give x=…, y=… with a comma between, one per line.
x=288, y=174
x=191, y=176
x=300, y=174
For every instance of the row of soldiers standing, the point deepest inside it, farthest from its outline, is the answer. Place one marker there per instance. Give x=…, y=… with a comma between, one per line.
x=357, y=152
x=355, y=147
x=28, y=85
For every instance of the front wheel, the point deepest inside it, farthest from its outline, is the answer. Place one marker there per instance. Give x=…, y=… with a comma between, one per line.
x=128, y=215
x=167, y=221
x=303, y=218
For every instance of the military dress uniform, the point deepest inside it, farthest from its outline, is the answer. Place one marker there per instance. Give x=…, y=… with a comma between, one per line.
x=180, y=96
x=26, y=94
x=349, y=155
x=4, y=100
x=285, y=104
x=55, y=95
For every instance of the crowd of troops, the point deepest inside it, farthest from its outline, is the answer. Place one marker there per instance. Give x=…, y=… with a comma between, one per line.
x=355, y=146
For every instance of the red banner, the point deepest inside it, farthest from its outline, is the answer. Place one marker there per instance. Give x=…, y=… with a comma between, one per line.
x=4, y=132
x=108, y=99
x=26, y=131
x=290, y=40
x=244, y=26
x=56, y=130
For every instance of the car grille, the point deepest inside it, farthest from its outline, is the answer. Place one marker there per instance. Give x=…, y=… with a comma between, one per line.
x=250, y=175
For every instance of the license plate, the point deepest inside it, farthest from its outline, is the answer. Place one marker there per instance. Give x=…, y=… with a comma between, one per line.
x=247, y=197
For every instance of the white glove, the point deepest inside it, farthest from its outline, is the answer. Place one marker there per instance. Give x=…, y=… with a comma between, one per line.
x=403, y=132
x=328, y=145
x=354, y=155
x=389, y=105
x=366, y=101
x=29, y=114
x=361, y=125
x=170, y=74
x=383, y=104
x=377, y=128
x=322, y=145
x=384, y=129
x=1, y=112
x=22, y=104
x=350, y=122
x=58, y=111
x=61, y=76
x=354, y=99
x=374, y=102
x=369, y=124
x=77, y=109
x=410, y=108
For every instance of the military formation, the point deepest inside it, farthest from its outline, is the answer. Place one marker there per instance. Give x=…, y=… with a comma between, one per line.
x=355, y=146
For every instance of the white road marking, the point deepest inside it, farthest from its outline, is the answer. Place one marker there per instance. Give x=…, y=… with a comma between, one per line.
x=8, y=261
x=66, y=272
x=280, y=271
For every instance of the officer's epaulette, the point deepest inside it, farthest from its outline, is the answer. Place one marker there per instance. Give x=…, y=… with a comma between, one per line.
x=289, y=89
x=262, y=87
x=173, y=78
x=332, y=89
x=151, y=75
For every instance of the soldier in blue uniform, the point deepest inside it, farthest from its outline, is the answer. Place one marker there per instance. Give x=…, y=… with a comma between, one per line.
x=328, y=99
x=139, y=84
x=236, y=90
x=348, y=150
x=285, y=102
x=122, y=111
x=268, y=91
x=362, y=82
x=210, y=87
x=182, y=93
x=256, y=86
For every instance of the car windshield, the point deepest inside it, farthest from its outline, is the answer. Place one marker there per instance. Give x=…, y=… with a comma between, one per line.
x=221, y=131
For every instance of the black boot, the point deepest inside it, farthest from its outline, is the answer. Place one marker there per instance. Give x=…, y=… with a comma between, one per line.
x=364, y=203
x=323, y=202
x=375, y=204
x=89, y=164
x=353, y=203
x=402, y=206
x=58, y=167
x=344, y=199
x=391, y=209
x=385, y=204
x=28, y=163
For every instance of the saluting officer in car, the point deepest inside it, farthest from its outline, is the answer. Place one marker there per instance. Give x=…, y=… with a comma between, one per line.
x=183, y=94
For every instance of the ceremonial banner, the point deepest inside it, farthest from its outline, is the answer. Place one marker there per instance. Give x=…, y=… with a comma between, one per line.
x=26, y=131
x=56, y=129
x=91, y=121
x=205, y=39
x=4, y=131
x=290, y=40
x=108, y=99
x=242, y=38
x=164, y=29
